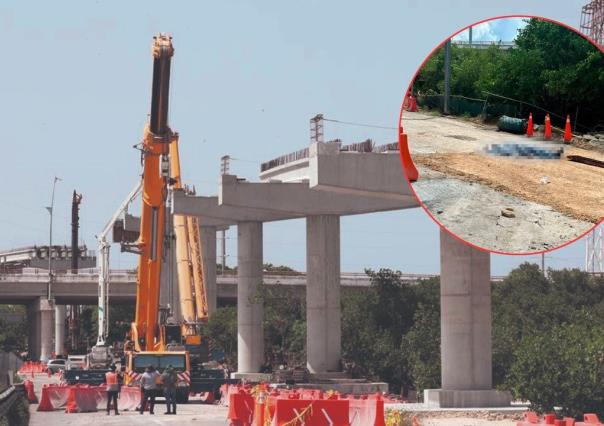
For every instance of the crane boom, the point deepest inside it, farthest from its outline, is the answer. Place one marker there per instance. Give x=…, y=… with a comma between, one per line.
x=103, y=264
x=155, y=149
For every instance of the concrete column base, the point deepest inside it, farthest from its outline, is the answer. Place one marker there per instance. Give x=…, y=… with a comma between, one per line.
x=253, y=377
x=440, y=398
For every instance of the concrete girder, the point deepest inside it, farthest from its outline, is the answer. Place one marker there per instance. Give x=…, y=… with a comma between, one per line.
x=298, y=199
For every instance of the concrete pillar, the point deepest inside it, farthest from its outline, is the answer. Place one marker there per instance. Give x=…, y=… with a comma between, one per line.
x=207, y=234
x=465, y=304
x=323, y=327
x=250, y=339
x=40, y=319
x=465, y=292
x=59, y=329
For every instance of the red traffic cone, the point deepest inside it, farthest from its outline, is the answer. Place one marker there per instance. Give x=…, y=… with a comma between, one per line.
x=567, y=133
x=548, y=128
x=529, y=127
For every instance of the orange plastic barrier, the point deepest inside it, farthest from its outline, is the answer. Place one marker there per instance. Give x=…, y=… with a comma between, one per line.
x=241, y=408
x=366, y=412
x=29, y=389
x=32, y=367
x=82, y=399
x=45, y=404
x=130, y=398
x=408, y=165
x=318, y=412
x=590, y=419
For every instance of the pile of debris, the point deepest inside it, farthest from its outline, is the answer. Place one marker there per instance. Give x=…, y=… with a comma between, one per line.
x=593, y=140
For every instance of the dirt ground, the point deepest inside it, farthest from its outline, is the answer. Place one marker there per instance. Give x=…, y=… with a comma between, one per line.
x=554, y=201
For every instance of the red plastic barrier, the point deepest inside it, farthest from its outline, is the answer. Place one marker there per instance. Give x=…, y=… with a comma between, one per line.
x=366, y=412
x=45, y=403
x=82, y=399
x=29, y=388
x=57, y=395
x=130, y=398
x=241, y=408
x=319, y=412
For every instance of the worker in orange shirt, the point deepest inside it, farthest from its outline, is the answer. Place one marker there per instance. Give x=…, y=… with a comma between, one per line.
x=113, y=388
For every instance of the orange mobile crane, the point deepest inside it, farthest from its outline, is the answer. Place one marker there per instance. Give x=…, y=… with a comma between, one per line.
x=154, y=339
x=147, y=344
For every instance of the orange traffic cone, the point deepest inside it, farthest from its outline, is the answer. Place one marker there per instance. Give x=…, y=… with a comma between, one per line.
x=548, y=128
x=567, y=133
x=529, y=127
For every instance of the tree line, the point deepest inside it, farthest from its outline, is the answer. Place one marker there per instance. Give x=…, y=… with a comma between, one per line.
x=551, y=67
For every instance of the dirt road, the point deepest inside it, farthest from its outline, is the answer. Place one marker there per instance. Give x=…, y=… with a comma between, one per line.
x=554, y=201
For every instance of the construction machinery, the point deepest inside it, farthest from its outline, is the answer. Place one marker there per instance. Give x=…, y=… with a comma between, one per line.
x=101, y=355
x=156, y=338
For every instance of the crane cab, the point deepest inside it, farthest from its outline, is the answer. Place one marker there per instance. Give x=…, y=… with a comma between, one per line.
x=137, y=362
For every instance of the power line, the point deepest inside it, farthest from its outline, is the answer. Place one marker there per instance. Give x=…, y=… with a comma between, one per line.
x=353, y=123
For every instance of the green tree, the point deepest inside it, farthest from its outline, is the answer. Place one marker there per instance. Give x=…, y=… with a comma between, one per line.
x=222, y=330
x=563, y=367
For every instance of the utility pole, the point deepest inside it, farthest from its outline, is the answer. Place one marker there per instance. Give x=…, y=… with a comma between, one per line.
x=543, y=264
x=316, y=128
x=225, y=166
x=76, y=199
x=447, y=94
x=50, y=211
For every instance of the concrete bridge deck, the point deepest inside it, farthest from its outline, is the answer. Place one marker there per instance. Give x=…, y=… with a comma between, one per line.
x=82, y=288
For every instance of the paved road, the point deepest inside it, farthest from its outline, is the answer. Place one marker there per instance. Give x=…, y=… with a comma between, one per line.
x=193, y=413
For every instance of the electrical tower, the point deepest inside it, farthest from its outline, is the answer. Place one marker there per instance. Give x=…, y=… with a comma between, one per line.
x=594, y=253
x=592, y=20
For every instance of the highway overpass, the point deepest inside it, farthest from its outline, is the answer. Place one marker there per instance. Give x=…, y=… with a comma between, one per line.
x=82, y=288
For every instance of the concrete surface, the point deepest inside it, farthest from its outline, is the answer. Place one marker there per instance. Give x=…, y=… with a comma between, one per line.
x=554, y=201
x=473, y=212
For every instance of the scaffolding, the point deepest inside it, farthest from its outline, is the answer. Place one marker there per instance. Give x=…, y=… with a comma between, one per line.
x=594, y=253
x=592, y=21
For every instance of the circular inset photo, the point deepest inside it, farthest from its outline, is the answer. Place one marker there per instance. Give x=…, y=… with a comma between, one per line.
x=502, y=135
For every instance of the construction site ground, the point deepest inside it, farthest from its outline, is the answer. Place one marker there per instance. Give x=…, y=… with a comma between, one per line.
x=196, y=413
x=466, y=189
x=193, y=413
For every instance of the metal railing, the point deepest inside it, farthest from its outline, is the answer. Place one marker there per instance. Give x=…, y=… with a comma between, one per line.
x=9, y=397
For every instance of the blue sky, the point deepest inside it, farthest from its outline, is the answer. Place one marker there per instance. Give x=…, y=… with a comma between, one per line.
x=247, y=77
x=505, y=29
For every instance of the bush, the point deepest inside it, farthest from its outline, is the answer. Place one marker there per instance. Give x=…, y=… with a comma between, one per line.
x=563, y=367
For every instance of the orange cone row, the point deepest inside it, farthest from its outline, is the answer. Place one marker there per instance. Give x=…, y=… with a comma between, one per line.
x=547, y=133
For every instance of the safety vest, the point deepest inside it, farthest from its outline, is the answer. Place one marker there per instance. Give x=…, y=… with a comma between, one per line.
x=111, y=380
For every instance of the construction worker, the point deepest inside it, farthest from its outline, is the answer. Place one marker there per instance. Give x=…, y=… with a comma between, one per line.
x=113, y=388
x=169, y=379
x=149, y=389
